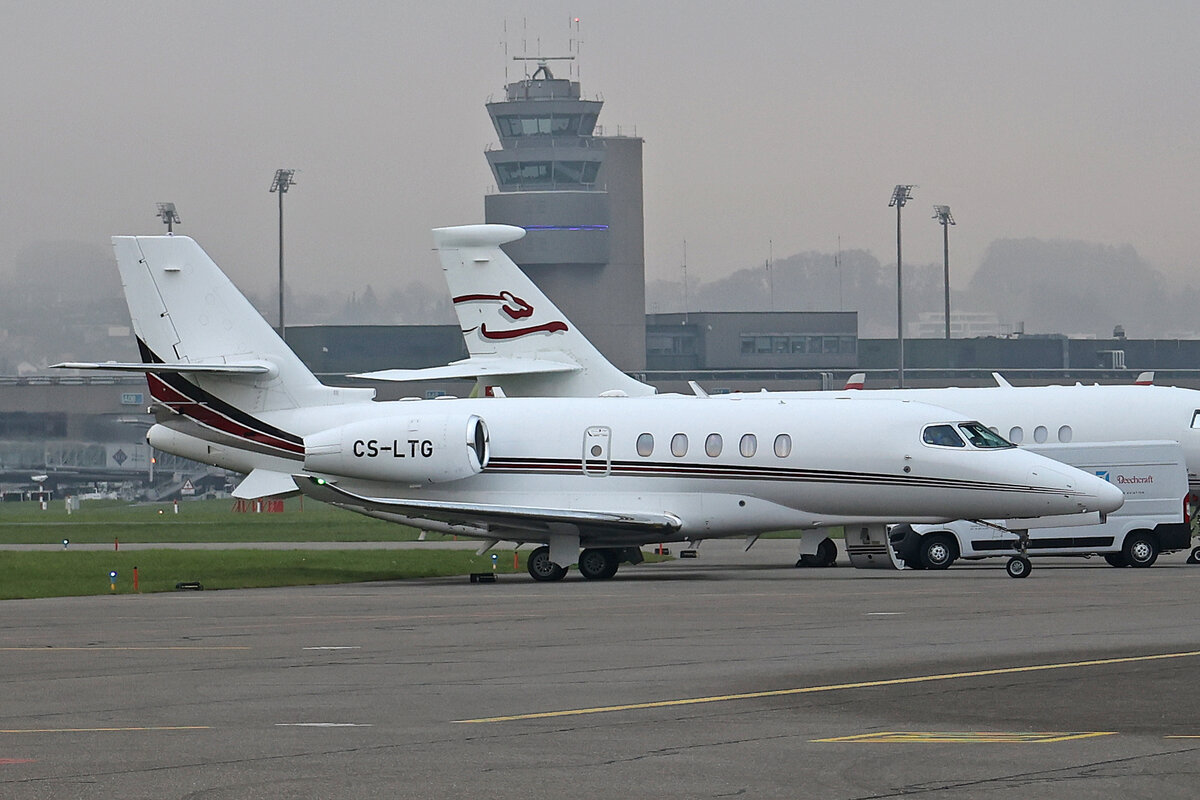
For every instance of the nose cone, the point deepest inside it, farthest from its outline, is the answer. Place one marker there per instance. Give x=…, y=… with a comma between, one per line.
x=1085, y=491
x=1108, y=497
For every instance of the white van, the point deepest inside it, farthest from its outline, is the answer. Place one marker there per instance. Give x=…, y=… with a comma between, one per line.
x=1153, y=519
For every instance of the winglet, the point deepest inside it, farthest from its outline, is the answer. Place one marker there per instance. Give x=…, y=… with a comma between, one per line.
x=856, y=381
x=1000, y=381
x=1144, y=379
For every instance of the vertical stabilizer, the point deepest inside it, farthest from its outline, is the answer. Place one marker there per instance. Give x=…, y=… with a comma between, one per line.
x=185, y=311
x=503, y=314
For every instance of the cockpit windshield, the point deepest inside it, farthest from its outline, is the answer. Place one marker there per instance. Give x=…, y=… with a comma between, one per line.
x=942, y=436
x=983, y=437
x=953, y=435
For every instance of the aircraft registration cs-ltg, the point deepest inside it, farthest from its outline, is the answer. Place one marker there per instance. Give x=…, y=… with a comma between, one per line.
x=590, y=479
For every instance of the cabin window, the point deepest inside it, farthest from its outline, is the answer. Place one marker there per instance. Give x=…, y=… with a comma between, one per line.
x=1064, y=433
x=1196, y=418
x=749, y=445
x=1016, y=435
x=712, y=445
x=1040, y=433
x=783, y=445
x=942, y=436
x=645, y=445
x=679, y=444
x=982, y=437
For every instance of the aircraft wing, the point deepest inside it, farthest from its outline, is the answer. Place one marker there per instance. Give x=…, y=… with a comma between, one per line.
x=489, y=517
x=472, y=368
x=248, y=368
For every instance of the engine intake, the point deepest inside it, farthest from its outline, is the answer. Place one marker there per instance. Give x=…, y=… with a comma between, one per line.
x=425, y=449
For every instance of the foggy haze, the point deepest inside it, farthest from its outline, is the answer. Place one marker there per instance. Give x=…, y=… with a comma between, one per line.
x=764, y=122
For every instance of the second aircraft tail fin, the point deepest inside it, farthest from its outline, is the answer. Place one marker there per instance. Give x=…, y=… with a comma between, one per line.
x=505, y=316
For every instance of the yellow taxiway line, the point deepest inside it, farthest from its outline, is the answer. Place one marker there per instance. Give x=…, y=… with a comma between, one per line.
x=690, y=701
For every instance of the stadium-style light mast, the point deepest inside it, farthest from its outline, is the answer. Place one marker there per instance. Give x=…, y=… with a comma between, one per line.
x=945, y=219
x=283, y=180
x=168, y=214
x=900, y=195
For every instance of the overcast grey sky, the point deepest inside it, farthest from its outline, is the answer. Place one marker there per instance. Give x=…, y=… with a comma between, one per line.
x=779, y=121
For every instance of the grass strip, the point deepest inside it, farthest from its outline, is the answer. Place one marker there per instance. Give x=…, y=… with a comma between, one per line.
x=100, y=522
x=78, y=573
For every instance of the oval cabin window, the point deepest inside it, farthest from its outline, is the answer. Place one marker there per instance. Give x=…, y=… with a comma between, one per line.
x=1040, y=433
x=712, y=445
x=1065, y=433
x=783, y=445
x=1016, y=435
x=679, y=444
x=645, y=445
x=749, y=445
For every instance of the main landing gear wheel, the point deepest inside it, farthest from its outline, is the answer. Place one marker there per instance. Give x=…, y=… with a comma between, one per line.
x=541, y=568
x=826, y=555
x=598, y=563
x=1018, y=567
x=1194, y=558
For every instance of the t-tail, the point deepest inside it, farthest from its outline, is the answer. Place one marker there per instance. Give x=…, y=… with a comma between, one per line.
x=517, y=339
x=213, y=365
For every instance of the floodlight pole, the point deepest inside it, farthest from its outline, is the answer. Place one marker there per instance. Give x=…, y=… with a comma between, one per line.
x=167, y=213
x=283, y=180
x=900, y=195
x=945, y=219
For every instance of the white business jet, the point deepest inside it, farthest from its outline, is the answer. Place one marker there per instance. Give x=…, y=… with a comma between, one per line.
x=588, y=479
x=1023, y=414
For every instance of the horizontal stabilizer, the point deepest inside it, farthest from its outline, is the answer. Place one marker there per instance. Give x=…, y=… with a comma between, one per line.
x=481, y=514
x=264, y=483
x=245, y=368
x=473, y=368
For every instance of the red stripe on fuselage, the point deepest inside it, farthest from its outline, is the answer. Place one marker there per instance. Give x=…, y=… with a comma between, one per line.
x=162, y=391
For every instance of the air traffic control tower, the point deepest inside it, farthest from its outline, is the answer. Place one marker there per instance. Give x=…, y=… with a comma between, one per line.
x=579, y=196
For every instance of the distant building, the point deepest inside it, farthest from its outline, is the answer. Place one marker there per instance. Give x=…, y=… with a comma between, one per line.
x=579, y=196
x=963, y=325
x=751, y=340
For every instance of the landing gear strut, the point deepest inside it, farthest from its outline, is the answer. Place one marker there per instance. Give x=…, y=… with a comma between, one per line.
x=1019, y=565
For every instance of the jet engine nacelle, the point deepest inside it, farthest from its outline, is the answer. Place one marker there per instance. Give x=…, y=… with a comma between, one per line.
x=424, y=449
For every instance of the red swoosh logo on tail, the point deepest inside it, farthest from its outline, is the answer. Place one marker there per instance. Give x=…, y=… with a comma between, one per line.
x=549, y=327
x=515, y=307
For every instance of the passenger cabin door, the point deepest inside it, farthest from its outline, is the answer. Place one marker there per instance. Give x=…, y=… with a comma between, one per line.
x=596, y=461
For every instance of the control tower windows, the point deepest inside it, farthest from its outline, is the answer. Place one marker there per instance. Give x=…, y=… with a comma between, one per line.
x=548, y=125
x=518, y=173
